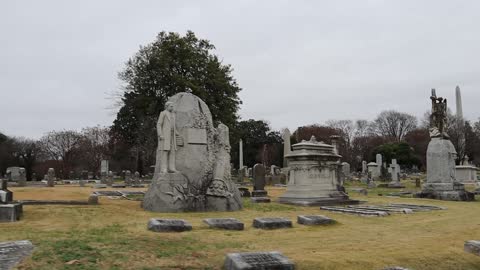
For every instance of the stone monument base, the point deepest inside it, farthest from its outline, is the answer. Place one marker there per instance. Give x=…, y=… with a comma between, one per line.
x=446, y=191
x=171, y=192
x=11, y=212
x=318, y=201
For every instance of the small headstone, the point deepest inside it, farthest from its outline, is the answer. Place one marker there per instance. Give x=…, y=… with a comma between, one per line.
x=418, y=183
x=12, y=253
x=6, y=196
x=93, y=199
x=168, y=225
x=258, y=261
x=472, y=246
x=225, y=223
x=271, y=223
x=22, y=178
x=314, y=220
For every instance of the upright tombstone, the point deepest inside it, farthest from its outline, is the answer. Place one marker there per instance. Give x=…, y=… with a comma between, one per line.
x=110, y=178
x=441, y=179
x=136, y=178
x=364, y=168
x=128, y=177
x=395, y=171
x=346, y=170
x=379, y=165
x=51, y=177
x=192, y=172
x=313, y=176
x=22, y=178
x=259, y=181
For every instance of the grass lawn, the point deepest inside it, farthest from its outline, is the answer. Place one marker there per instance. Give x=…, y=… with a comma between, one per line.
x=113, y=235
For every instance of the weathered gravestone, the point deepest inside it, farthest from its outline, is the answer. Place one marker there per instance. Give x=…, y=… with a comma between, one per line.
x=441, y=181
x=225, y=223
x=259, y=180
x=12, y=253
x=395, y=171
x=128, y=177
x=10, y=211
x=472, y=246
x=192, y=171
x=22, y=178
x=51, y=177
x=271, y=223
x=258, y=261
x=314, y=220
x=169, y=225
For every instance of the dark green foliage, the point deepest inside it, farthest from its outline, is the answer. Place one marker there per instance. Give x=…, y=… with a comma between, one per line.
x=169, y=65
x=255, y=135
x=401, y=151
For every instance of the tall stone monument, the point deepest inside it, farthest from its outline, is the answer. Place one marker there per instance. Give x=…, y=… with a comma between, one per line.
x=240, y=153
x=192, y=171
x=459, y=114
x=441, y=179
x=313, y=179
x=287, y=148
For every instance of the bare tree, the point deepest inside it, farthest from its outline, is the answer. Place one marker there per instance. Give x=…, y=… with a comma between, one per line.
x=94, y=147
x=395, y=125
x=61, y=146
x=27, y=151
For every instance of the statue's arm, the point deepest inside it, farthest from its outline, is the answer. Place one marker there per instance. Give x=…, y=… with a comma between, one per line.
x=161, y=119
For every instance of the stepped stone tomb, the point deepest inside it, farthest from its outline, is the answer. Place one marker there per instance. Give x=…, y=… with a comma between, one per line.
x=314, y=175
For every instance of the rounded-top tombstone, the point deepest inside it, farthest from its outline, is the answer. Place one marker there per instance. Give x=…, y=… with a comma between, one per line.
x=192, y=171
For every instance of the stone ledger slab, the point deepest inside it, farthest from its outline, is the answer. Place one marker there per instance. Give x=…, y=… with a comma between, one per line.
x=472, y=246
x=314, y=220
x=169, y=225
x=258, y=261
x=225, y=223
x=12, y=253
x=260, y=199
x=271, y=223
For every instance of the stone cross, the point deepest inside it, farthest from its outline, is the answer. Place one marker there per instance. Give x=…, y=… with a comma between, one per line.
x=394, y=169
x=379, y=164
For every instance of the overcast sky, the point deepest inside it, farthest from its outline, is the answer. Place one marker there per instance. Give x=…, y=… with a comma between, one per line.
x=298, y=62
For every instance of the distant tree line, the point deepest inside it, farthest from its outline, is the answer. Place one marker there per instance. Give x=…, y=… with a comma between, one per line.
x=173, y=63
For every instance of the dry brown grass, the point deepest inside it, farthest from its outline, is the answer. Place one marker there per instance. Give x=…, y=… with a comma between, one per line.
x=113, y=235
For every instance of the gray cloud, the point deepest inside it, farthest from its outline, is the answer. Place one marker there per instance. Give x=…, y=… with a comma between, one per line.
x=298, y=62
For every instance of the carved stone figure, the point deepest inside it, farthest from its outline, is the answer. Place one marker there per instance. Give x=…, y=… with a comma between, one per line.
x=438, y=118
x=167, y=142
x=198, y=172
x=441, y=154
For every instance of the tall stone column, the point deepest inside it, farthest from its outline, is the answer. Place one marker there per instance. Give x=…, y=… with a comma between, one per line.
x=287, y=148
x=461, y=144
x=240, y=151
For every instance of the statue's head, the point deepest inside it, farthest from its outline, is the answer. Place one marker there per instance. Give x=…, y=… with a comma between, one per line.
x=169, y=106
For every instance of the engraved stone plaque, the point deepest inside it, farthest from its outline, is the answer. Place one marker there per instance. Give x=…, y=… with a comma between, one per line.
x=197, y=136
